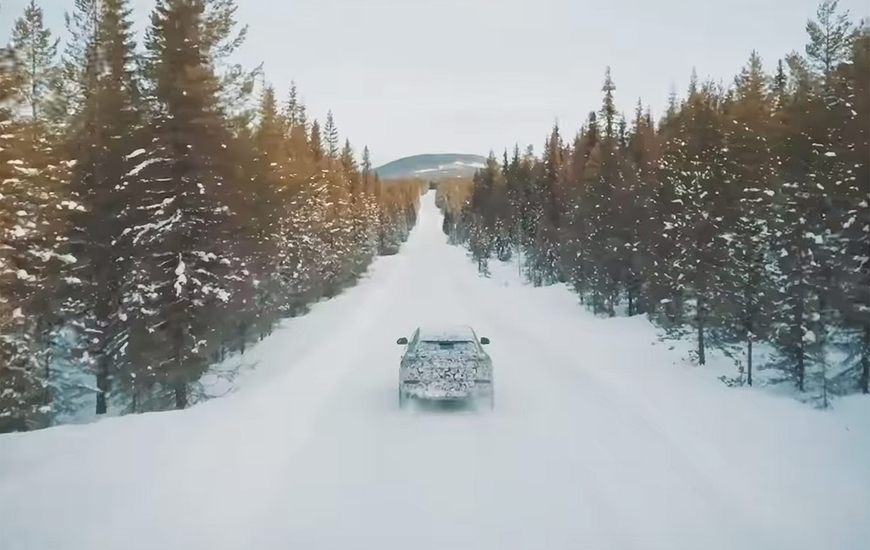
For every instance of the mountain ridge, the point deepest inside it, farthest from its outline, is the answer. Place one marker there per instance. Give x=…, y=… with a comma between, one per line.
x=432, y=166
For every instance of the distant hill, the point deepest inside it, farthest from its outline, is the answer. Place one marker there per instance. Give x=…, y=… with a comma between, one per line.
x=432, y=166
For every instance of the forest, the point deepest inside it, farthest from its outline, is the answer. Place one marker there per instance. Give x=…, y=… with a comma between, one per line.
x=739, y=219
x=161, y=208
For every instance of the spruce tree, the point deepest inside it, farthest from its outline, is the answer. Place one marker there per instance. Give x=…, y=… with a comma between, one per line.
x=37, y=48
x=854, y=231
x=742, y=307
x=105, y=139
x=183, y=230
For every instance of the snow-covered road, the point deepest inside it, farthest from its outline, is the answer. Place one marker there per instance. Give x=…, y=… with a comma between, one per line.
x=597, y=441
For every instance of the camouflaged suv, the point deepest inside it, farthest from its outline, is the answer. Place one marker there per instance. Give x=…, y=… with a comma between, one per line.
x=445, y=362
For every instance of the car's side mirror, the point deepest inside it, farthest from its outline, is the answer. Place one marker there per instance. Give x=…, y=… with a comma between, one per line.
x=484, y=340
x=402, y=341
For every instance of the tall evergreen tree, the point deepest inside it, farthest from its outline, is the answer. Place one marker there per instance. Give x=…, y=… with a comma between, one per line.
x=330, y=137
x=751, y=179
x=184, y=223
x=104, y=138
x=37, y=48
x=30, y=261
x=854, y=231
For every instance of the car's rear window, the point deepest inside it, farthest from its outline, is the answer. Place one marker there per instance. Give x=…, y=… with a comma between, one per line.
x=445, y=345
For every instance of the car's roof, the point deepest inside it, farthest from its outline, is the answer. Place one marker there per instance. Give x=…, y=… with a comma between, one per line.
x=446, y=333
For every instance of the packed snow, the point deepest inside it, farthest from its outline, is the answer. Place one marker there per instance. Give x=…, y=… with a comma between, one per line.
x=601, y=438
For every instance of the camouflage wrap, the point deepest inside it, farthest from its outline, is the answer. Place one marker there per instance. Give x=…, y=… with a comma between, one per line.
x=444, y=370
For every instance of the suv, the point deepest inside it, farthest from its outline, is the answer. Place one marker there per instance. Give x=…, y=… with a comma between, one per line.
x=445, y=363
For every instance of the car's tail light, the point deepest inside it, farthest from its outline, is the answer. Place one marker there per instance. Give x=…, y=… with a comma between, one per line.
x=479, y=372
x=410, y=374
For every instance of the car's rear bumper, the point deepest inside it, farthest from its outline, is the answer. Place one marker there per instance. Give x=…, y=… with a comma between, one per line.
x=439, y=391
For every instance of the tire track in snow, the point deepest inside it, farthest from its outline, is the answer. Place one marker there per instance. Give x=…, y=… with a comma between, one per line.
x=515, y=373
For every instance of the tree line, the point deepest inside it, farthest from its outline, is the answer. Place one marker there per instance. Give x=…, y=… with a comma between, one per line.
x=740, y=217
x=161, y=208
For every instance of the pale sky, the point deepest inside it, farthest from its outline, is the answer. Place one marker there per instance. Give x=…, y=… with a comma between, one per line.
x=416, y=76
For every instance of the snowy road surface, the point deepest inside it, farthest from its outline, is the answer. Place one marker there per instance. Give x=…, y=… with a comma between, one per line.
x=598, y=441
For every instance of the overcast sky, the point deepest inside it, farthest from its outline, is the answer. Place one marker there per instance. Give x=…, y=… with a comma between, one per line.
x=417, y=76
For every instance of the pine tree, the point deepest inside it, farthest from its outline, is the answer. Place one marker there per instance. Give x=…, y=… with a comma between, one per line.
x=267, y=197
x=572, y=233
x=186, y=267
x=34, y=43
x=643, y=151
x=21, y=384
x=370, y=207
x=482, y=207
x=220, y=40
x=693, y=169
x=104, y=138
x=854, y=232
x=608, y=109
x=544, y=263
x=330, y=137
x=751, y=184
x=292, y=106
x=830, y=44
x=809, y=213
x=366, y=165
x=30, y=263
